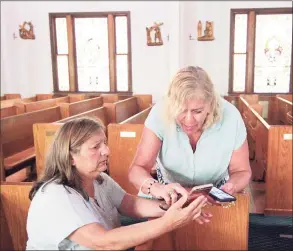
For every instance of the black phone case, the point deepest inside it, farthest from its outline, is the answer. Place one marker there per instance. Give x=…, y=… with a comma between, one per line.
x=222, y=200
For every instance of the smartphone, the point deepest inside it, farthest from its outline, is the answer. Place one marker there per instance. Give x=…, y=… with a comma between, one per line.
x=201, y=188
x=221, y=196
x=206, y=187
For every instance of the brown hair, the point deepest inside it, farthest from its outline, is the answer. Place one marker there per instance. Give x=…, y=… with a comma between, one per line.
x=68, y=139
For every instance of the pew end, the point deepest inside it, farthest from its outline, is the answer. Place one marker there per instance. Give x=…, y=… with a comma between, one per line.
x=15, y=204
x=227, y=230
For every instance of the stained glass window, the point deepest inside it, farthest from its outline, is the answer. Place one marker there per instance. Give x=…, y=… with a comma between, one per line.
x=122, y=72
x=61, y=36
x=239, y=59
x=94, y=48
x=62, y=54
x=121, y=53
x=92, y=54
x=261, y=51
x=273, y=46
x=63, y=77
x=121, y=35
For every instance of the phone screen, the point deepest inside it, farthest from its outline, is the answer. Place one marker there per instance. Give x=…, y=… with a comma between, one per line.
x=220, y=195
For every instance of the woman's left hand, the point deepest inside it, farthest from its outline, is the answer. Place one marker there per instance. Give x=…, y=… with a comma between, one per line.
x=229, y=188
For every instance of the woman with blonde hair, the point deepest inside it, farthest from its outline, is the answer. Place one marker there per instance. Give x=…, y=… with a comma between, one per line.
x=193, y=137
x=76, y=206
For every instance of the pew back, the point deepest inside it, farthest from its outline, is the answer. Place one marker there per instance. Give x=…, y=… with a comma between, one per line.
x=228, y=230
x=15, y=204
x=284, y=111
x=12, y=96
x=122, y=141
x=17, y=131
x=138, y=118
x=121, y=110
x=273, y=158
x=71, y=109
x=43, y=104
x=43, y=137
x=279, y=171
x=9, y=102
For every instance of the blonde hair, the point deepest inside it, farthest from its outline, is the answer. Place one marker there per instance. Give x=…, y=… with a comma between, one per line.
x=191, y=83
x=68, y=139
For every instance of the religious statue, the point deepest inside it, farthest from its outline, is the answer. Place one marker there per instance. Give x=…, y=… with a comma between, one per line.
x=26, y=31
x=208, y=32
x=155, y=32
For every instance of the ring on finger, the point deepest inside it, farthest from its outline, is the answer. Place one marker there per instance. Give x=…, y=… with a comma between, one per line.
x=171, y=193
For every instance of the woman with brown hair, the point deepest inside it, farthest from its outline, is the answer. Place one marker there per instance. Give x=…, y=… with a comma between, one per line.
x=75, y=205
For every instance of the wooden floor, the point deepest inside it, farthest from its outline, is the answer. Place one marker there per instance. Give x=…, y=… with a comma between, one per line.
x=257, y=197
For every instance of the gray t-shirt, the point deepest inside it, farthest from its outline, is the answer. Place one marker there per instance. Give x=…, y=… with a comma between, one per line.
x=56, y=212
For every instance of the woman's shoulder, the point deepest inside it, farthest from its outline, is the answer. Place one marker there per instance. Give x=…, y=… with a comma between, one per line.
x=53, y=190
x=230, y=111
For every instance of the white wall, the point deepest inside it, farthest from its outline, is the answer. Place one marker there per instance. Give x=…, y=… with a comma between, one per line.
x=213, y=56
x=26, y=64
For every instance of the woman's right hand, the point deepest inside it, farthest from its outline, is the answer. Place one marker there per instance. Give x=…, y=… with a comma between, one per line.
x=169, y=193
x=177, y=216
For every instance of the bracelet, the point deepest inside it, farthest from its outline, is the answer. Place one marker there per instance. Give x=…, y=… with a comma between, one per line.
x=145, y=182
x=151, y=183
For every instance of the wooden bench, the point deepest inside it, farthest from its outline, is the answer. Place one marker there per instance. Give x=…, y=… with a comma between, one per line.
x=44, y=132
x=44, y=104
x=17, y=137
x=71, y=109
x=250, y=122
x=12, y=96
x=14, y=210
x=228, y=230
x=123, y=109
x=273, y=161
x=284, y=107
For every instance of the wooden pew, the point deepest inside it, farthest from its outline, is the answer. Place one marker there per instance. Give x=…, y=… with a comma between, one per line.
x=43, y=133
x=38, y=102
x=273, y=161
x=43, y=104
x=9, y=102
x=12, y=96
x=228, y=226
x=284, y=107
x=250, y=123
x=123, y=109
x=287, y=97
x=71, y=109
x=17, y=136
x=138, y=118
x=76, y=97
x=14, y=210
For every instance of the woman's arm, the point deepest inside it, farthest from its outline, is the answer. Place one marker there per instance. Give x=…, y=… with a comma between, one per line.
x=134, y=206
x=94, y=236
x=144, y=159
x=140, y=168
x=239, y=170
